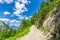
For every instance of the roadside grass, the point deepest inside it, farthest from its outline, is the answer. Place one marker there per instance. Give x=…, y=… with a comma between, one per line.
x=24, y=32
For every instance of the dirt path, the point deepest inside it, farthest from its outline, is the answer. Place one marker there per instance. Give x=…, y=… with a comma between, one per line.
x=34, y=34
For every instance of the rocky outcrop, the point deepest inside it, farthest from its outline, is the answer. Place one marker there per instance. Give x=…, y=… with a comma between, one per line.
x=53, y=21
x=57, y=21
x=49, y=22
x=56, y=31
x=2, y=25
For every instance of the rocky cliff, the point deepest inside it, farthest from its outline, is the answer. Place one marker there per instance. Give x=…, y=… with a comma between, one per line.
x=2, y=25
x=53, y=21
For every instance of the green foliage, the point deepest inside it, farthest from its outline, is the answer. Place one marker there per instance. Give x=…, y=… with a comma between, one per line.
x=3, y=32
x=23, y=29
x=6, y=32
x=56, y=38
x=25, y=23
x=47, y=29
x=47, y=8
x=51, y=0
x=12, y=32
x=20, y=34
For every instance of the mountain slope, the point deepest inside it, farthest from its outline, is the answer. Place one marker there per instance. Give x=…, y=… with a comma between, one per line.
x=2, y=25
x=34, y=34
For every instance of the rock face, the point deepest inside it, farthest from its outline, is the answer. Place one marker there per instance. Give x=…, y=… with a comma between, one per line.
x=56, y=14
x=54, y=21
x=2, y=25
x=57, y=20
x=49, y=22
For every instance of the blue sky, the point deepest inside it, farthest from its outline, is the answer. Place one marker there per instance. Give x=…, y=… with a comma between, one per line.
x=13, y=11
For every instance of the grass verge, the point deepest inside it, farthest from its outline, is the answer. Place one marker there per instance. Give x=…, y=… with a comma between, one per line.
x=24, y=32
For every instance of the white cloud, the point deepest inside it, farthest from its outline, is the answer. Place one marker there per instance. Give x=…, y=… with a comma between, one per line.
x=27, y=17
x=10, y=1
x=1, y=1
x=21, y=17
x=19, y=8
x=4, y=19
x=7, y=1
x=14, y=22
x=25, y=1
x=11, y=22
x=6, y=13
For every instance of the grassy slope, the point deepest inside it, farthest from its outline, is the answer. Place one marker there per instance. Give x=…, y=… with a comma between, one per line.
x=24, y=32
